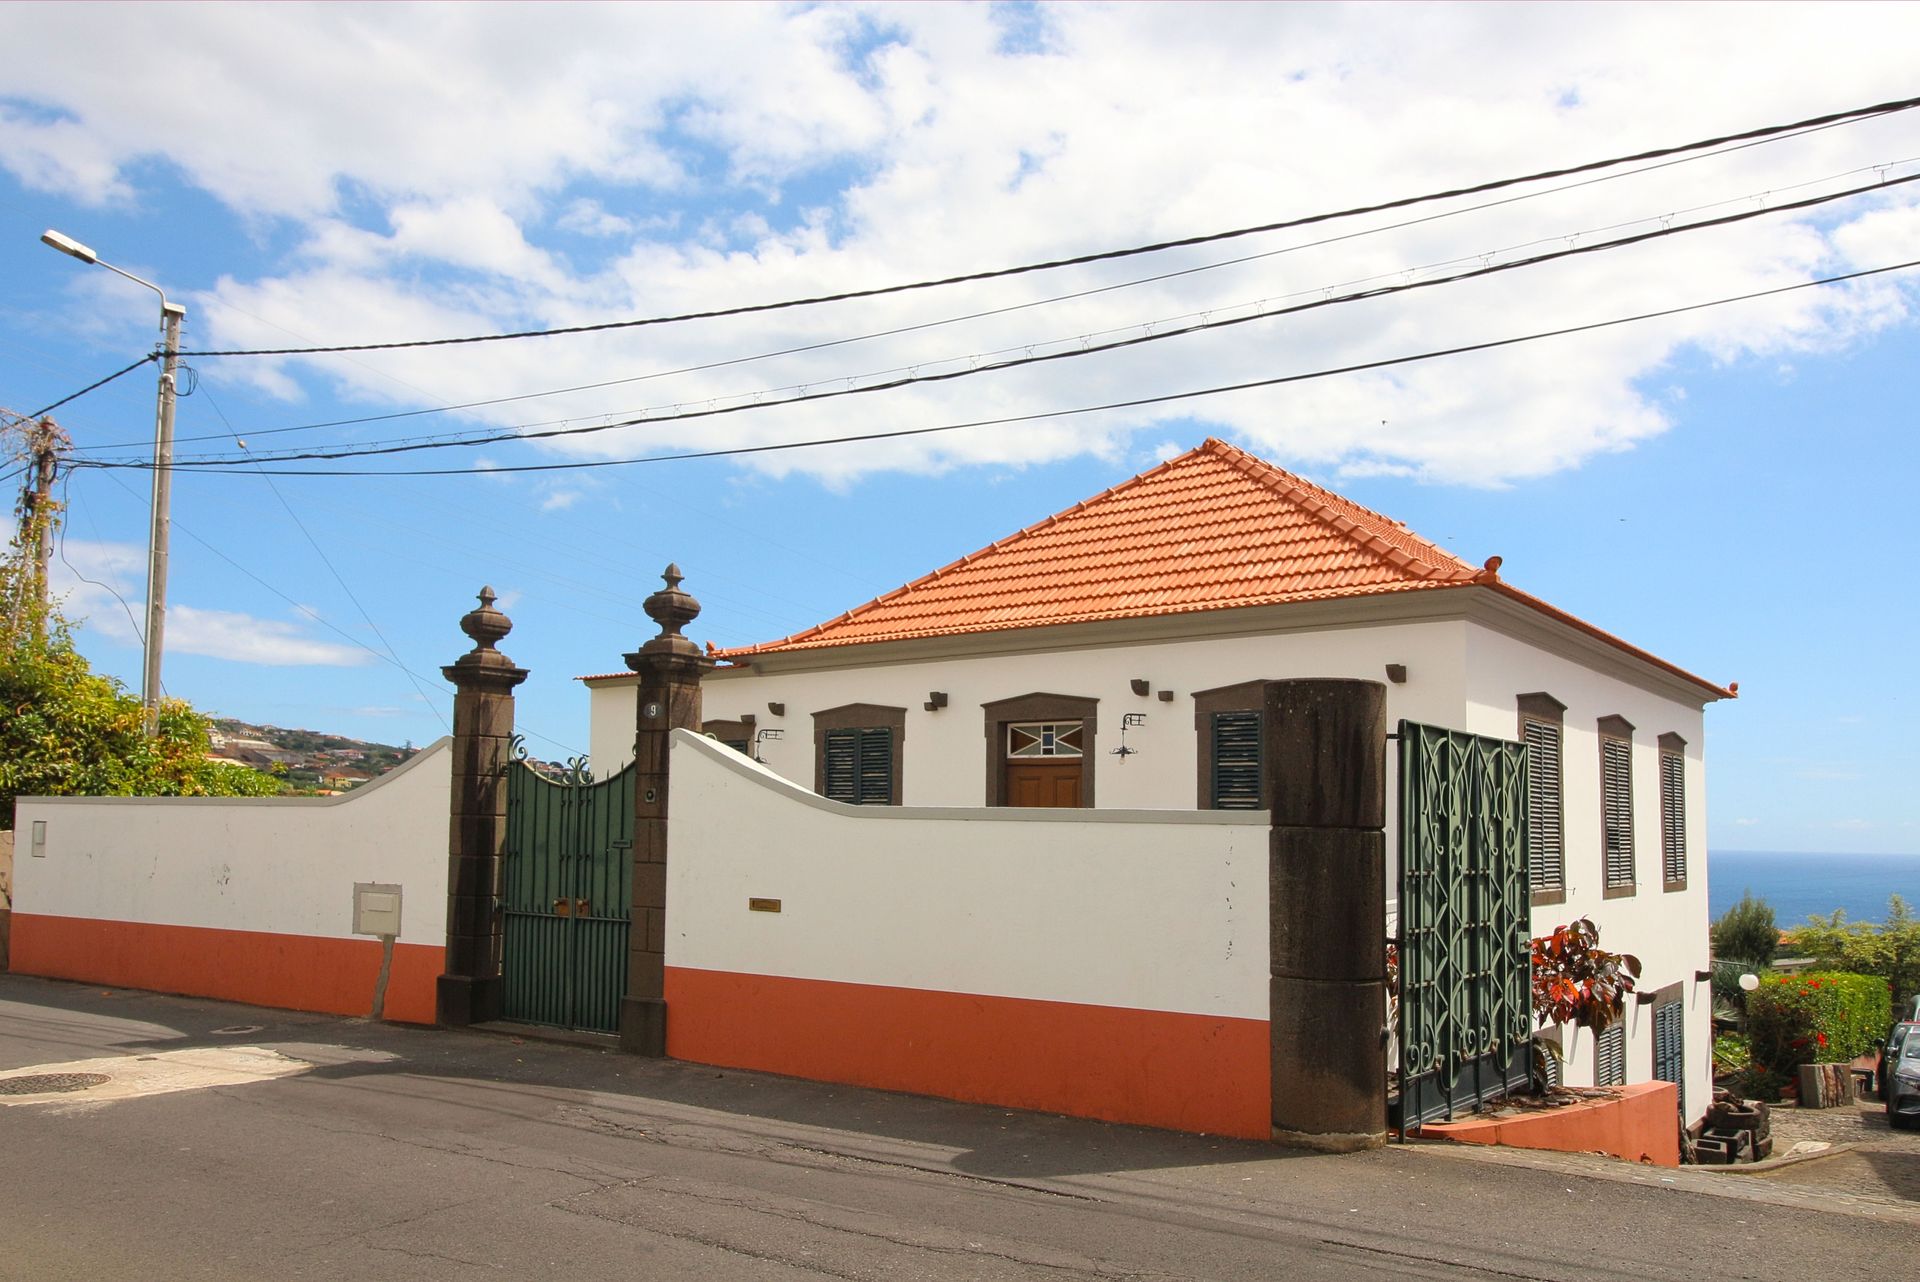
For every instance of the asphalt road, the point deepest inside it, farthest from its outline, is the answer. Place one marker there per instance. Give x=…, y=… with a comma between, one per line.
x=398, y=1153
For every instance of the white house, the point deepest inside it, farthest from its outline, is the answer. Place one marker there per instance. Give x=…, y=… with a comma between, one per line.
x=1145, y=619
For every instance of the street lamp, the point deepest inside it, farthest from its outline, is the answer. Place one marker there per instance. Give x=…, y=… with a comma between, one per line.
x=170, y=316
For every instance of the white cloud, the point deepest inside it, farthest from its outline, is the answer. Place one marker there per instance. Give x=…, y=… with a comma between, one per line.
x=589, y=217
x=246, y=638
x=729, y=154
x=92, y=581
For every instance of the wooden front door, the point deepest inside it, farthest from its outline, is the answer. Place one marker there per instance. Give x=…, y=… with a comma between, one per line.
x=1053, y=784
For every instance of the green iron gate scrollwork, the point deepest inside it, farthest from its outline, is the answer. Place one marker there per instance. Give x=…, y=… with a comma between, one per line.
x=1464, y=915
x=567, y=896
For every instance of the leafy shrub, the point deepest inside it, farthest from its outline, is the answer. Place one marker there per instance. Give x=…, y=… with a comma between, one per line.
x=1814, y=1017
x=1731, y=1053
x=1890, y=948
x=1576, y=981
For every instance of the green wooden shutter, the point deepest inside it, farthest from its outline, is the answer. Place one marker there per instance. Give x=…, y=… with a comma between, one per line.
x=859, y=766
x=1673, y=817
x=1616, y=803
x=1610, y=1057
x=1236, y=760
x=1669, y=1047
x=842, y=774
x=876, y=767
x=1546, y=855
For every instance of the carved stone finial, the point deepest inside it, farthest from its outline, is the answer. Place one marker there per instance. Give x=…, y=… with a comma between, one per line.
x=486, y=625
x=671, y=608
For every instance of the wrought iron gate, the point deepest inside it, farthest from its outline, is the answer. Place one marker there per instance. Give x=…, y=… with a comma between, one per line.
x=1465, y=1001
x=567, y=897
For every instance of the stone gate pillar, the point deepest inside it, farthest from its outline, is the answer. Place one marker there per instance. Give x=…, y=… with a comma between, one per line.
x=670, y=668
x=483, y=681
x=1326, y=765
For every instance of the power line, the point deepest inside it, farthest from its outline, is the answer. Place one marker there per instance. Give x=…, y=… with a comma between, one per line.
x=93, y=386
x=1085, y=349
x=1030, y=304
x=1858, y=113
x=735, y=451
x=328, y=562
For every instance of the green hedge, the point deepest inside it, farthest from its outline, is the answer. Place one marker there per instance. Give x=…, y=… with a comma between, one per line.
x=1815, y=1017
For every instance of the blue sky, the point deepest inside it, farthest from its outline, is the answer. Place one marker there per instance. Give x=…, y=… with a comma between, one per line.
x=1730, y=488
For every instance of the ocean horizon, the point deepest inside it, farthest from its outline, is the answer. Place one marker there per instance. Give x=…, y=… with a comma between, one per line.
x=1797, y=884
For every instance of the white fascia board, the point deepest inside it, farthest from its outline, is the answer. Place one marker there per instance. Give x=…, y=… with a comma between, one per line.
x=1468, y=602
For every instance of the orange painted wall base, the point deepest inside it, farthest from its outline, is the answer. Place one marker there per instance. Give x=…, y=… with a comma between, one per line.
x=292, y=972
x=1640, y=1124
x=1154, y=1068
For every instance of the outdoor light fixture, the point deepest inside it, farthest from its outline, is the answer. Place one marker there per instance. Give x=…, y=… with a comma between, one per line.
x=68, y=246
x=1140, y=685
x=936, y=699
x=171, y=314
x=1646, y=999
x=1131, y=721
x=1166, y=696
x=777, y=709
x=1702, y=976
x=1749, y=981
x=1397, y=673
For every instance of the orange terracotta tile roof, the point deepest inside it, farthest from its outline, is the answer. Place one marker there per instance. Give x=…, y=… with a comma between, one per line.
x=1213, y=529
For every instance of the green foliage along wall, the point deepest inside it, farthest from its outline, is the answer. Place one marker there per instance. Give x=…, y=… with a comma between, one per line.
x=1817, y=1017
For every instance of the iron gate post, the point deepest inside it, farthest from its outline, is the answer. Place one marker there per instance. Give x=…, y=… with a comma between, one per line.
x=670, y=668
x=483, y=681
x=1326, y=767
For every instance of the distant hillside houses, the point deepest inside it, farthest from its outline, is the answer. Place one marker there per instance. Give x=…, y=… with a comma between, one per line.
x=304, y=758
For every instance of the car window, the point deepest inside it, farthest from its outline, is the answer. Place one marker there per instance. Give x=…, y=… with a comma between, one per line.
x=1912, y=1049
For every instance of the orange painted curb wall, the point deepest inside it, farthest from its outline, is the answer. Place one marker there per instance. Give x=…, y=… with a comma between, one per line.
x=292, y=972
x=1200, y=1073
x=1640, y=1124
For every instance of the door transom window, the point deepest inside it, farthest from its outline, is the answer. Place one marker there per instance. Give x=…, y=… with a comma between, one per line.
x=1043, y=739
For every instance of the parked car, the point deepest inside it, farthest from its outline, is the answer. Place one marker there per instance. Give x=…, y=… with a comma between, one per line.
x=1900, y=1075
x=1890, y=1048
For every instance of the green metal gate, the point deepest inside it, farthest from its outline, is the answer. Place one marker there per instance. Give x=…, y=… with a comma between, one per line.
x=1465, y=997
x=567, y=897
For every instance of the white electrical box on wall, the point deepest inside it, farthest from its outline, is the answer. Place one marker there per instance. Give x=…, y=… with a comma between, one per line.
x=376, y=908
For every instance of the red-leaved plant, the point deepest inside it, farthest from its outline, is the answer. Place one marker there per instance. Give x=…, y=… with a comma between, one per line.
x=1575, y=981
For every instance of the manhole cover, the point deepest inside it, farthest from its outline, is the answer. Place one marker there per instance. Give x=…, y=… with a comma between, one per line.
x=50, y=1083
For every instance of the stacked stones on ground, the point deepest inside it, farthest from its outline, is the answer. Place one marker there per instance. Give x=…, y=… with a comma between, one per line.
x=1733, y=1130
x=1825, y=1085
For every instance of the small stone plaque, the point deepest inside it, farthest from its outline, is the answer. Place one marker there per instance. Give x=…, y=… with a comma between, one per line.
x=763, y=905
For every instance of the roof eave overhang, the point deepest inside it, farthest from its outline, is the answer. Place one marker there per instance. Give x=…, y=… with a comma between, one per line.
x=1492, y=604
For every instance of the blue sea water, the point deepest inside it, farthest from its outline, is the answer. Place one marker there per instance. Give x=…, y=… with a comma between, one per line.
x=1798, y=884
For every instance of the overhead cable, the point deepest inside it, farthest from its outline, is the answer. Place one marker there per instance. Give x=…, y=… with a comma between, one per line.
x=1085, y=349
x=90, y=387
x=1857, y=113
x=1135, y=403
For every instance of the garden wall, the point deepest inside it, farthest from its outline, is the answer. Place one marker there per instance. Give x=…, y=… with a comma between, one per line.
x=1110, y=963
x=244, y=899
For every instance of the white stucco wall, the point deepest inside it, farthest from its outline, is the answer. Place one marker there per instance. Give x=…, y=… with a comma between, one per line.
x=943, y=752
x=1138, y=910
x=1666, y=930
x=269, y=864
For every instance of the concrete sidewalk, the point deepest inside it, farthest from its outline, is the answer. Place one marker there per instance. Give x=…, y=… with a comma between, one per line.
x=407, y=1152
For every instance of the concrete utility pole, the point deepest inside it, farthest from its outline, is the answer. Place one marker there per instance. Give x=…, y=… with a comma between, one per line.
x=171, y=314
